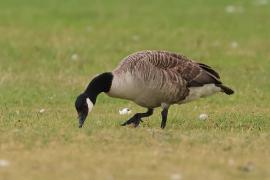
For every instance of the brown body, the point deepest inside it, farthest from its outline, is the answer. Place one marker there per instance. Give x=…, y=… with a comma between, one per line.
x=153, y=78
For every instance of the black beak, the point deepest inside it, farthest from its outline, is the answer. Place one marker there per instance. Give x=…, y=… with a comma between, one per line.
x=82, y=117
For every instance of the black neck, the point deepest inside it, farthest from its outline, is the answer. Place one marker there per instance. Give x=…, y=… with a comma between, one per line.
x=101, y=83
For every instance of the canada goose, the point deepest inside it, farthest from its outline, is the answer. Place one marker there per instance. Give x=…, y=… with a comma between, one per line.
x=152, y=79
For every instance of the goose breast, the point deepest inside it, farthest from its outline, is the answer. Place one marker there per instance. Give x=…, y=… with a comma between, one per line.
x=146, y=84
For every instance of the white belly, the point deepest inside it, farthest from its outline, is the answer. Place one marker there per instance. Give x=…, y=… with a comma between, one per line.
x=202, y=91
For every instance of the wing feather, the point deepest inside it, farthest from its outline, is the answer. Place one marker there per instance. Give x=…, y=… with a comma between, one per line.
x=195, y=74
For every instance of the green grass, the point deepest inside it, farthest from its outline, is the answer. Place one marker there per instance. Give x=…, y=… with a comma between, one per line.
x=37, y=41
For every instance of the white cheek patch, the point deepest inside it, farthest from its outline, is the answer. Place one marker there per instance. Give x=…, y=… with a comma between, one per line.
x=89, y=104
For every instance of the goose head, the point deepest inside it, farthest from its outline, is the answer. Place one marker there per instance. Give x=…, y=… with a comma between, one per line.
x=83, y=105
x=85, y=101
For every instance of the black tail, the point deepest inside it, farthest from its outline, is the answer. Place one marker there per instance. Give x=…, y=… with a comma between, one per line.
x=225, y=89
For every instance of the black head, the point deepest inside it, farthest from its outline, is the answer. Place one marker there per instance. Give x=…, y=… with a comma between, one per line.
x=85, y=101
x=83, y=106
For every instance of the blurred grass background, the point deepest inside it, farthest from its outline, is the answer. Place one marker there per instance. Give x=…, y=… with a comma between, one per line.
x=51, y=49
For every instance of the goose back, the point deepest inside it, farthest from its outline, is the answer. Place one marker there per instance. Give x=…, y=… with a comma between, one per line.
x=150, y=78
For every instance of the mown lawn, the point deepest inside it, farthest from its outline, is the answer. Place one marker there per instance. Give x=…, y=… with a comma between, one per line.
x=49, y=50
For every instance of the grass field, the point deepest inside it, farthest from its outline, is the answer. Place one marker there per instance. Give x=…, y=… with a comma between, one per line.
x=49, y=50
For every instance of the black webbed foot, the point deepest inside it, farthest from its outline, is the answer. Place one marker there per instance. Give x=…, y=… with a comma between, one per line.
x=135, y=120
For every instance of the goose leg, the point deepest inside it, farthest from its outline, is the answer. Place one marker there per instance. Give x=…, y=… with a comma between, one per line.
x=164, y=114
x=136, y=119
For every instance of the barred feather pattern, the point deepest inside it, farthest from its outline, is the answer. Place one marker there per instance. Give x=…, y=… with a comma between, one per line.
x=166, y=74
